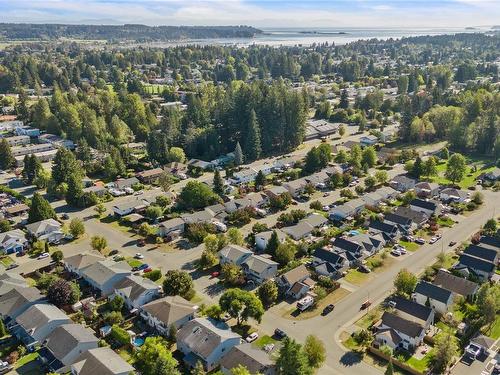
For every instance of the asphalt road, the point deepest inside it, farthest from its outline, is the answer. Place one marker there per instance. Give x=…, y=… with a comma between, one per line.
x=347, y=311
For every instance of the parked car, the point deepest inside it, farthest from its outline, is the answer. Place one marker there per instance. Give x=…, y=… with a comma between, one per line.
x=279, y=334
x=364, y=269
x=141, y=242
x=326, y=194
x=328, y=309
x=43, y=256
x=226, y=317
x=252, y=337
x=326, y=208
x=396, y=252
x=365, y=304
x=65, y=216
x=452, y=243
x=420, y=241
x=149, y=269
x=138, y=256
x=142, y=267
x=215, y=274
x=11, y=266
x=433, y=240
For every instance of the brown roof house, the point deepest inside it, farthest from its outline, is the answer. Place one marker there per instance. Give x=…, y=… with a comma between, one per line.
x=162, y=313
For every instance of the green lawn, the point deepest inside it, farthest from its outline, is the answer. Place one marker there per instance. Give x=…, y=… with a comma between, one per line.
x=470, y=177
x=134, y=262
x=6, y=260
x=355, y=277
x=494, y=331
x=419, y=364
x=26, y=359
x=263, y=341
x=445, y=222
x=410, y=246
x=367, y=320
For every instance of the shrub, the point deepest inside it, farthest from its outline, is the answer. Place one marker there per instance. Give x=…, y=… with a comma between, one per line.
x=120, y=335
x=315, y=205
x=154, y=275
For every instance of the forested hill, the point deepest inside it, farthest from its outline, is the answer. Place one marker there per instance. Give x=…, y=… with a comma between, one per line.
x=24, y=31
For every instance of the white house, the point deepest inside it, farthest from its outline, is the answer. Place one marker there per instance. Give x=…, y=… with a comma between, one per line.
x=170, y=226
x=259, y=268
x=368, y=140
x=454, y=195
x=13, y=241
x=439, y=299
x=234, y=254
x=203, y=340
x=46, y=230
x=136, y=291
x=66, y=344
x=162, y=313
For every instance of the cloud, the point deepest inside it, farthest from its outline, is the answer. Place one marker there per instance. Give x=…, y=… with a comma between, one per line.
x=260, y=13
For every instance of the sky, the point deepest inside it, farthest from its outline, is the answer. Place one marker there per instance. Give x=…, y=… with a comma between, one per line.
x=258, y=13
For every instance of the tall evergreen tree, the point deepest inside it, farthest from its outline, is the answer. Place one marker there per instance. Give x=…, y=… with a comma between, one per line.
x=344, y=99
x=6, y=158
x=260, y=180
x=253, y=147
x=40, y=209
x=75, y=191
x=218, y=183
x=238, y=155
x=64, y=166
x=32, y=167
x=292, y=360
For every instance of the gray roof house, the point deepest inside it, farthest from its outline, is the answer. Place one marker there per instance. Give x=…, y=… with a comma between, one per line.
x=18, y=300
x=46, y=230
x=262, y=238
x=457, y=285
x=234, y=254
x=202, y=340
x=428, y=207
x=164, y=312
x=402, y=183
x=169, y=226
x=256, y=361
x=296, y=282
x=417, y=217
x=259, y=268
x=13, y=241
x=102, y=361
x=11, y=280
x=426, y=189
x=35, y=324
x=105, y=274
x=479, y=267
x=136, y=291
x=65, y=345
x=78, y=262
x=329, y=263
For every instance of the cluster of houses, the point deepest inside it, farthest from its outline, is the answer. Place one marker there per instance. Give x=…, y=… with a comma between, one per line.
x=12, y=209
x=64, y=346
x=480, y=259
x=407, y=321
x=17, y=240
x=202, y=340
x=26, y=140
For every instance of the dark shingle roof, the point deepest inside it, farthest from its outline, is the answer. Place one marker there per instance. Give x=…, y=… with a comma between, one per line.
x=328, y=256
x=433, y=291
x=428, y=205
x=413, y=308
x=455, y=284
x=402, y=325
x=476, y=263
x=398, y=219
x=346, y=245
x=481, y=253
x=490, y=240
x=383, y=227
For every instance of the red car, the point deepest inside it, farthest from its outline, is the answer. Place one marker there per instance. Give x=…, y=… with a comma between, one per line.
x=215, y=274
x=149, y=269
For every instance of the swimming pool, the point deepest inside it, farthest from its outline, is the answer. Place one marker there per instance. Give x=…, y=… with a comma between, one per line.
x=138, y=341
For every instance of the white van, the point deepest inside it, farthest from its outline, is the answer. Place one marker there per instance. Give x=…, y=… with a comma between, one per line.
x=305, y=303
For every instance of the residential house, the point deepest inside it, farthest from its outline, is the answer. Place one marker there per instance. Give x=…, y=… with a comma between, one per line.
x=27, y=130
x=36, y=323
x=427, y=207
x=368, y=140
x=13, y=241
x=103, y=361
x=275, y=191
x=18, y=140
x=418, y=218
x=65, y=345
x=175, y=225
x=124, y=209
x=390, y=232
x=123, y=183
x=459, y=286
x=149, y=176
x=352, y=251
x=296, y=283
x=234, y=254
x=452, y=195
x=46, y=230
x=17, y=209
x=162, y=313
x=484, y=253
x=404, y=224
x=492, y=176
x=200, y=164
x=105, y=274
x=426, y=189
x=136, y=291
x=77, y=263
x=439, y=299
x=98, y=190
x=203, y=216
x=405, y=326
x=244, y=176
x=34, y=149
x=371, y=244
x=262, y=238
x=256, y=361
x=480, y=268
x=328, y=263
x=179, y=170
x=17, y=300
x=56, y=141
x=203, y=340
x=402, y=183
x=11, y=280
x=253, y=200
x=295, y=187
x=347, y=210
x=259, y=268
x=490, y=242
x=300, y=230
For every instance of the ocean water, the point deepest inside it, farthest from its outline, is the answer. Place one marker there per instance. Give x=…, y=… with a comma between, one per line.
x=307, y=36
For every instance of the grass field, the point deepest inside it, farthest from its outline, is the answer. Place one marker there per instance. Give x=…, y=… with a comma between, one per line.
x=6, y=260
x=470, y=176
x=154, y=89
x=356, y=277
x=410, y=246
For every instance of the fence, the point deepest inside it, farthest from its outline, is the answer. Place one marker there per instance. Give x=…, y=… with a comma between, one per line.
x=395, y=361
